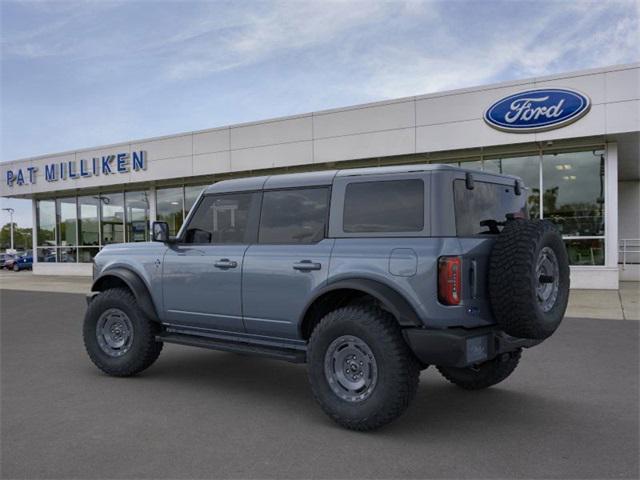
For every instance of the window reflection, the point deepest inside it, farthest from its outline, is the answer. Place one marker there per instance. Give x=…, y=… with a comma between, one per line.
x=574, y=192
x=112, y=218
x=88, y=220
x=67, y=212
x=137, y=216
x=46, y=220
x=169, y=208
x=585, y=252
x=191, y=194
x=528, y=169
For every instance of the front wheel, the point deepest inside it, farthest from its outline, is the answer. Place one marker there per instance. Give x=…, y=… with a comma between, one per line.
x=119, y=338
x=16, y=268
x=485, y=374
x=361, y=371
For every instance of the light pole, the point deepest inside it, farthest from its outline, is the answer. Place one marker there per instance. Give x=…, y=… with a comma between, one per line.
x=11, y=212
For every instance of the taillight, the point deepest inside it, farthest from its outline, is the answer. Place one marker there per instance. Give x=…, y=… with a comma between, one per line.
x=449, y=284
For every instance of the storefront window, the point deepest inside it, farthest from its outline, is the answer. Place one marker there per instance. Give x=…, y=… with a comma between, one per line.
x=169, y=207
x=112, y=218
x=88, y=220
x=527, y=168
x=86, y=254
x=137, y=216
x=574, y=192
x=67, y=213
x=46, y=218
x=191, y=194
x=585, y=252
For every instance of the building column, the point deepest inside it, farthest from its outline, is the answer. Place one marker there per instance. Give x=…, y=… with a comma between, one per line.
x=34, y=231
x=152, y=204
x=611, y=206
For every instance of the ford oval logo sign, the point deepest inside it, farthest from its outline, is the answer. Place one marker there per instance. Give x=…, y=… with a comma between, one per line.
x=537, y=110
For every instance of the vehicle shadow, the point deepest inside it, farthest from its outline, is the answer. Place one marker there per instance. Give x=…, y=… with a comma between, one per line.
x=438, y=405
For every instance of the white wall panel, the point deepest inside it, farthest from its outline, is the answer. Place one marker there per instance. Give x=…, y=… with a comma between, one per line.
x=379, y=144
x=166, y=147
x=623, y=116
x=623, y=85
x=165, y=169
x=593, y=123
x=286, y=154
x=465, y=106
x=212, y=141
x=271, y=133
x=469, y=134
x=208, y=163
x=360, y=120
x=592, y=85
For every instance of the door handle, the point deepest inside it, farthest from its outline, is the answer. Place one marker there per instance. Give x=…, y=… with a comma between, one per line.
x=225, y=263
x=306, y=265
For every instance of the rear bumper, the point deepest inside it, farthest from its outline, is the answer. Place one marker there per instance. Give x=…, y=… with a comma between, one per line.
x=459, y=347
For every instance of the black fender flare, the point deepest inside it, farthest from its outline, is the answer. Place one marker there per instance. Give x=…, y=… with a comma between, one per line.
x=392, y=301
x=135, y=284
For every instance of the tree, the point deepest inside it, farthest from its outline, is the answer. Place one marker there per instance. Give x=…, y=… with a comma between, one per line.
x=22, y=237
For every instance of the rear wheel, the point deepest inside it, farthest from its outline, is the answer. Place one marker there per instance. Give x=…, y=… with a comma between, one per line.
x=118, y=337
x=485, y=374
x=361, y=371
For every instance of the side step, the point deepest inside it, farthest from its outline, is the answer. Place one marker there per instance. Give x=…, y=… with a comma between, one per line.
x=289, y=355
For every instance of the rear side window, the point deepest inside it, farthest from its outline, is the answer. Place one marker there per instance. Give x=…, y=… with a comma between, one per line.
x=222, y=219
x=294, y=215
x=386, y=206
x=486, y=202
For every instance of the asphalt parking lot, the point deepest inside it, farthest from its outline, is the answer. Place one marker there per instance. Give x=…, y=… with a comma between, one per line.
x=569, y=411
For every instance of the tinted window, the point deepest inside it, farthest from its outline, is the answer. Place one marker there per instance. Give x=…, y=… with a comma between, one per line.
x=390, y=206
x=487, y=201
x=294, y=216
x=221, y=219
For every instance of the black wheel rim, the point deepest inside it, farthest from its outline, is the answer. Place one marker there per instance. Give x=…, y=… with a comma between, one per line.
x=350, y=368
x=548, y=279
x=114, y=332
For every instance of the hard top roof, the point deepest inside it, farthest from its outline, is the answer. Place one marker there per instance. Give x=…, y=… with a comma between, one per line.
x=325, y=177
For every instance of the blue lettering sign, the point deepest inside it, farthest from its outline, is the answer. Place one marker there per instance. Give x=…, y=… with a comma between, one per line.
x=139, y=160
x=123, y=166
x=32, y=174
x=10, y=178
x=83, y=171
x=106, y=164
x=50, y=173
x=20, y=177
x=537, y=110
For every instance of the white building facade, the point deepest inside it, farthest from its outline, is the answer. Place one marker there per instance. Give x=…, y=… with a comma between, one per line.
x=582, y=168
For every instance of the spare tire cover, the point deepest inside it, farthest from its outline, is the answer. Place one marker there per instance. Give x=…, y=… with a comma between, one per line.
x=529, y=278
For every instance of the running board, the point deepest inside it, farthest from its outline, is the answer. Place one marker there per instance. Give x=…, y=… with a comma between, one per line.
x=289, y=355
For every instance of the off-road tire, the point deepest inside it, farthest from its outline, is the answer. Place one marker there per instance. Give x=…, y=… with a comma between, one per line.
x=398, y=370
x=513, y=281
x=484, y=375
x=144, y=349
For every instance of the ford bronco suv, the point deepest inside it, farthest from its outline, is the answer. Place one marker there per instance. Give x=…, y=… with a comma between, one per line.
x=367, y=275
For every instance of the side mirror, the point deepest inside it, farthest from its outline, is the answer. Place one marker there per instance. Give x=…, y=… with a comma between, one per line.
x=160, y=232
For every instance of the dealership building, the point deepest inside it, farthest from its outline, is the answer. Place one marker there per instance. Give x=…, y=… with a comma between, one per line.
x=573, y=138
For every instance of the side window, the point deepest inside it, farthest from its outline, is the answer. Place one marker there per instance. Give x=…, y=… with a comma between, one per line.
x=294, y=216
x=384, y=206
x=221, y=219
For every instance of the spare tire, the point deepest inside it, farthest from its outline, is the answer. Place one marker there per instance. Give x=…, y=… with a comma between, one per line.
x=529, y=278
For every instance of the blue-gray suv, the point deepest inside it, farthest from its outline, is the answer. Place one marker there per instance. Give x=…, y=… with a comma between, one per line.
x=367, y=275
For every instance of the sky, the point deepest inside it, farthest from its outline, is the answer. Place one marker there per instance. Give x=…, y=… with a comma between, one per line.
x=86, y=73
